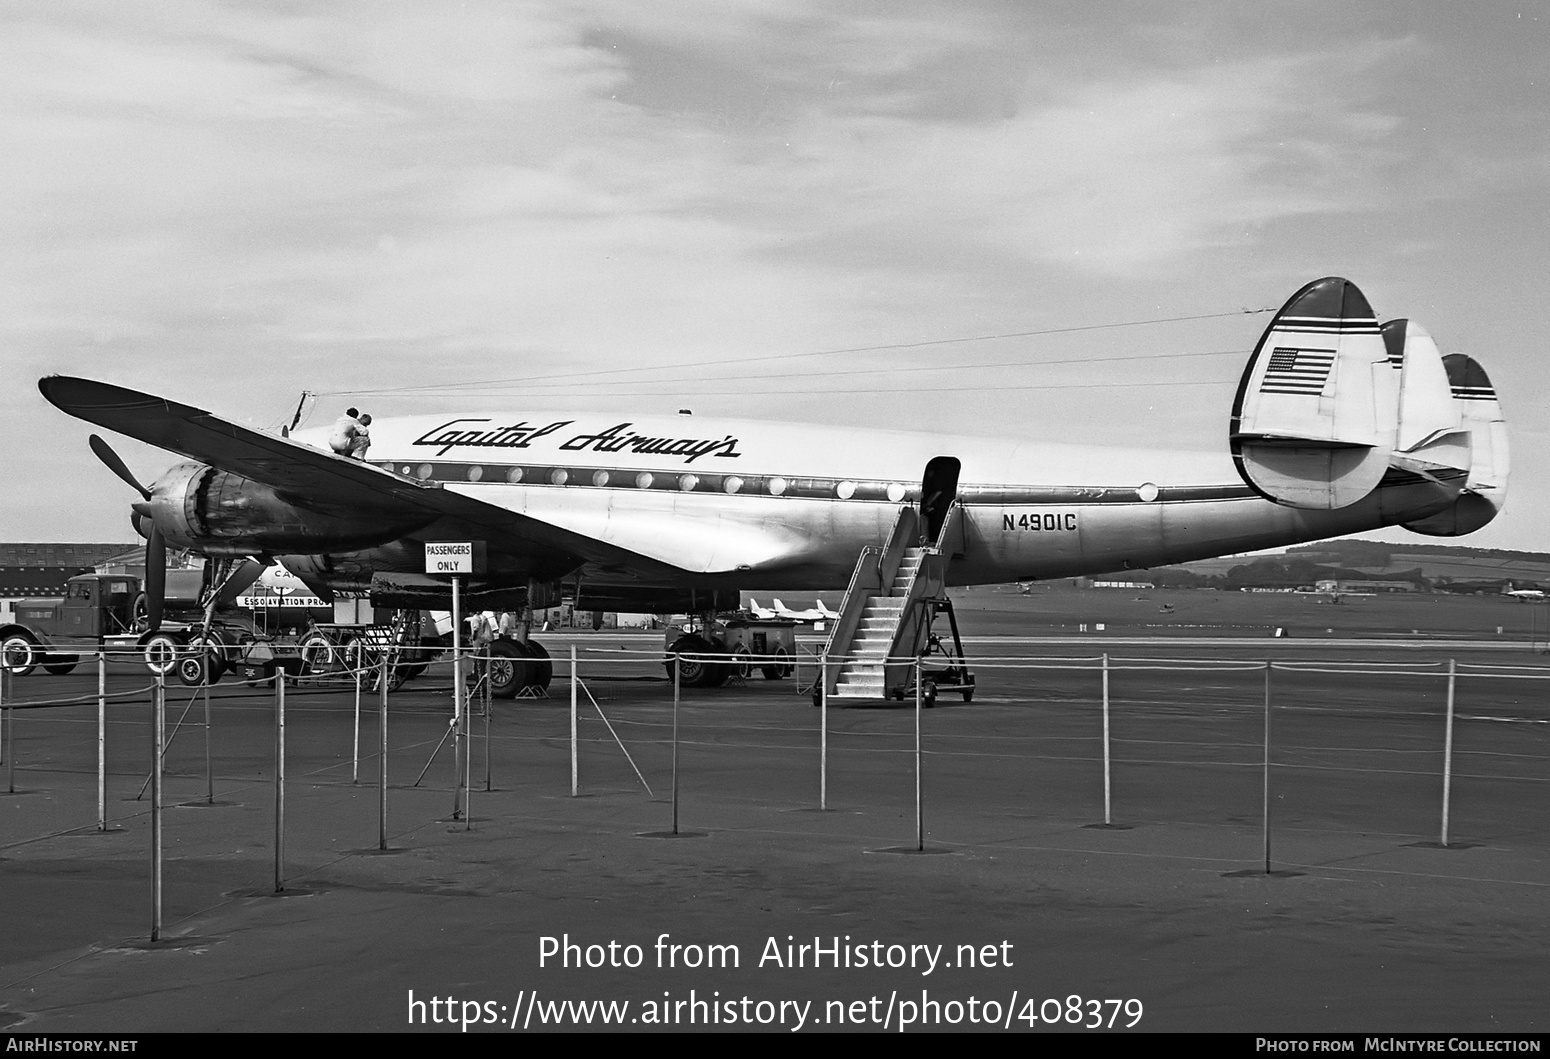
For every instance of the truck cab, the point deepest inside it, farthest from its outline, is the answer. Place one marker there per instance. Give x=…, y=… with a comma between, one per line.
x=93, y=608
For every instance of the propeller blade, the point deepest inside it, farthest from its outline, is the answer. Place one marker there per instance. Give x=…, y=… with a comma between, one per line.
x=155, y=575
x=105, y=453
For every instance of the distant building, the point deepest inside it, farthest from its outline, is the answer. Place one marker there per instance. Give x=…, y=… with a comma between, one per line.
x=42, y=569
x=1359, y=587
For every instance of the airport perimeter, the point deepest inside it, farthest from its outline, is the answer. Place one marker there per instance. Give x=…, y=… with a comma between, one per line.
x=784, y=884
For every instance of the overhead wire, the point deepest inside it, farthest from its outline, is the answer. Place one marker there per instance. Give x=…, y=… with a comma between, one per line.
x=888, y=370
x=527, y=382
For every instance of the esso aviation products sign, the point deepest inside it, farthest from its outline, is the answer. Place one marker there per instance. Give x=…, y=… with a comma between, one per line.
x=454, y=557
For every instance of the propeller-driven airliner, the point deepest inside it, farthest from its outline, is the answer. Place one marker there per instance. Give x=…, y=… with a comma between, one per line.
x=1339, y=424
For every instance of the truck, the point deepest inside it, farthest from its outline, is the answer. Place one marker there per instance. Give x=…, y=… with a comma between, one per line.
x=106, y=611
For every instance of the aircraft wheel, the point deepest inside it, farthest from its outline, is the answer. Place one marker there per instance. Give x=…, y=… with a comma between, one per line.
x=56, y=665
x=197, y=669
x=161, y=652
x=692, y=672
x=317, y=653
x=968, y=691
x=213, y=648
x=20, y=654
x=717, y=673
x=510, y=669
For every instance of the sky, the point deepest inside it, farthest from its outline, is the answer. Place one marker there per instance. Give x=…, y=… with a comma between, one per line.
x=1055, y=220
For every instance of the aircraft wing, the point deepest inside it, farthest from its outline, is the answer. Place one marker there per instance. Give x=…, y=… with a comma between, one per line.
x=332, y=484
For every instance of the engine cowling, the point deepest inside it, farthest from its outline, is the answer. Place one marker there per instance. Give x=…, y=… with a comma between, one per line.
x=219, y=513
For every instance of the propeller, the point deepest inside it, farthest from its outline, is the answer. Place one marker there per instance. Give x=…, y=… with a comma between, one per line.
x=145, y=522
x=105, y=453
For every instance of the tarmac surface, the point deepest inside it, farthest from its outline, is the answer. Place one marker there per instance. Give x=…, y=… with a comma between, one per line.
x=1021, y=911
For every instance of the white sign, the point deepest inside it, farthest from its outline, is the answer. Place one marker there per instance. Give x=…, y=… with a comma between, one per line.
x=449, y=557
x=288, y=600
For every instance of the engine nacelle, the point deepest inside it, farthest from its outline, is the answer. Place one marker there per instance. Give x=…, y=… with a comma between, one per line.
x=220, y=513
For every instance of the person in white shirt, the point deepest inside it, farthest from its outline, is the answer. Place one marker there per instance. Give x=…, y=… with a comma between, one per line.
x=347, y=429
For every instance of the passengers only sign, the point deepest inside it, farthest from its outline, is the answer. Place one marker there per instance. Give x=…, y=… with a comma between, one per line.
x=454, y=557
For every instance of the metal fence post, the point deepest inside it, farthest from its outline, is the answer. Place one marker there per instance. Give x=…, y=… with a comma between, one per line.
x=1265, y=778
x=382, y=757
x=920, y=826
x=102, y=741
x=357, y=673
x=1107, y=820
x=575, y=680
x=1447, y=749
x=677, y=667
x=823, y=729
x=158, y=746
x=279, y=780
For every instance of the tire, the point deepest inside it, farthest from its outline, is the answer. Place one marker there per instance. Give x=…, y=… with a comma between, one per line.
x=511, y=669
x=197, y=669
x=213, y=648
x=742, y=663
x=720, y=672
x=317, y=653
x=928, y=694
x=779, y=668
x=968, y=691
x=58, y=667
x=20, y=654
x=161, y=651
x=692, y=672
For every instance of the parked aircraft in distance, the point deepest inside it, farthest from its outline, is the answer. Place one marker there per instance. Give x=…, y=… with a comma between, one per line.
x=1524, y=595
x=817, y=612
x=1339, y=425
x=762, y=613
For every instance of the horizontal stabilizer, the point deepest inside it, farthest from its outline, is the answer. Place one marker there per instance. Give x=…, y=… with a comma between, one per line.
x=1314, y=419
x=1485, y=487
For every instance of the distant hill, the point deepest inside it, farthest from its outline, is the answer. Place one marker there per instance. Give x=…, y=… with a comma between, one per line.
x=1445, y=567
x=1438, y=563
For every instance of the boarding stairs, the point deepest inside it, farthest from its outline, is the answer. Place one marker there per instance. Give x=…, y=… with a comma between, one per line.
x=884, y=622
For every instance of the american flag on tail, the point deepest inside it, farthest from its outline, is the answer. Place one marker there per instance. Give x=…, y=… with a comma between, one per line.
x=1293, y=370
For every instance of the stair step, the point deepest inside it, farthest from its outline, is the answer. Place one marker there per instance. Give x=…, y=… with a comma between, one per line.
x=858, y=693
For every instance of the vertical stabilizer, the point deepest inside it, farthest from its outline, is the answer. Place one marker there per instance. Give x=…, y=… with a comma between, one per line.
x=1316, y=413
x=1431, y=439
x=1485, y=488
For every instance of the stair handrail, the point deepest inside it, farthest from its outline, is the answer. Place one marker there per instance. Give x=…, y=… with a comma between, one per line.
x=843, y=629
x=927, y=582
x=873, y=562
x=906, y=528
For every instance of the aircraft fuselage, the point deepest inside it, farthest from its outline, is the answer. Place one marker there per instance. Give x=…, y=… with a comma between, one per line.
x=745, y=505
